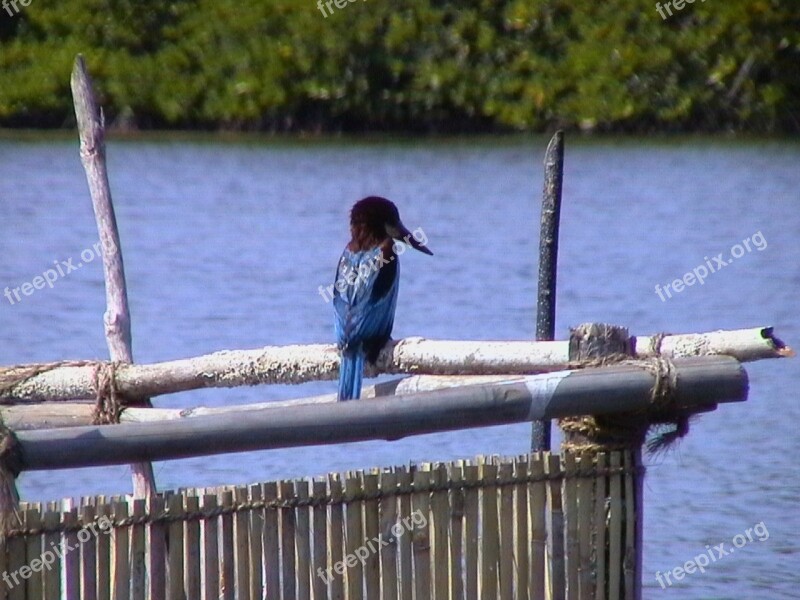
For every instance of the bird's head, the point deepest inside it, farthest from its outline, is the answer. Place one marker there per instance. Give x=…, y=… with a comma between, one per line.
x=378, y=217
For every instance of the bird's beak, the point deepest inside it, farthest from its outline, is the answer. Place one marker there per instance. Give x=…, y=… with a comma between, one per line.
x=401, y=233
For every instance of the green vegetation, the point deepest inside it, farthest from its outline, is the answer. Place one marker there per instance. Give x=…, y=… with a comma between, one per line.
x=413, y=65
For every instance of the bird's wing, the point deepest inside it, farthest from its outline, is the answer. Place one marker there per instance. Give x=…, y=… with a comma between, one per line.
x=365, y=298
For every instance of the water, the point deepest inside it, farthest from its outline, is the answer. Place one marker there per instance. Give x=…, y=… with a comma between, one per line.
x=225, y=245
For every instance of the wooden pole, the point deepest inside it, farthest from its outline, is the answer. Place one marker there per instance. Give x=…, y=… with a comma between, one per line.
x=117, y=316
x=548, y=263
x=608, y=390
x=298, y=364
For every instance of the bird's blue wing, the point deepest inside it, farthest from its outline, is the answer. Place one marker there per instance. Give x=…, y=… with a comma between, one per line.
x=365, y=296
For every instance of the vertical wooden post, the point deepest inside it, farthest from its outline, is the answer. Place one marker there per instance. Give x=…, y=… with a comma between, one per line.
x=548, y=263
x=117, y=316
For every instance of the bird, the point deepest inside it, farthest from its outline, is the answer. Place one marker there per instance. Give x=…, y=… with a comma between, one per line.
x=365, y=287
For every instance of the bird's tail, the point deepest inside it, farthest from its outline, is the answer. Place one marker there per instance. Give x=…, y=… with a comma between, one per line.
x=351, y=372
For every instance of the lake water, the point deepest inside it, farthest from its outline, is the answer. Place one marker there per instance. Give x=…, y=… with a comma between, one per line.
x=226, y=243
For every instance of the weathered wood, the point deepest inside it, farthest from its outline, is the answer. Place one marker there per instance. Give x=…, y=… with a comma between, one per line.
x=585, y=519
x=439, y=527
x=241, y=531
x=615, y=540
x=522, y=566
x=256, y=537
x=590, y=391
x=302, y=542
x=457, y=507
x=175, y=548
x=138, y=552
x=319, y=520
x=405, y=551
x=298, y=364
x=121, y=574
x=490, y=536
x=506, y=521
x=336, y=535
x=537, y=503
x=117, y=316
x=286, y=527
x=555, y=529
x=191, y=549
x=570, y=502
x=372, y=568
x=388, y=517
x=472, y=537
x=548, y=263
x=210, y=565
x=421, y=536
x=271, y=550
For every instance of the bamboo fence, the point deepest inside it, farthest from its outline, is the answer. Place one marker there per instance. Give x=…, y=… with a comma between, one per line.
x=465, y=529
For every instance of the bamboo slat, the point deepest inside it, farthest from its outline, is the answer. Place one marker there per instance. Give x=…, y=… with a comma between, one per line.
x=16, y=560
x=175, y=549
x=555, y=538
x=354, y=538
x=522, y=566
x=455, y=475
x=34, y=585
x=120, y=568
x=336, y=537
x=506, y=521
x=599, y=529
x=490, y=536
x=156, y=537
x=52, y=578
x=138, y=553
x=420, y=536
x=241, y=537
x=585, y=520
x=319, y=520
x=632, y=513
x=191, y=549
x=439, y=527
x=210, y=556
x=405, y=479
x=271, y=544
x=227, y=572
x=387, y=519
x=286, y=526
x=72, y=567
x=537, y=505
x=570, y=500
x=615, y=531
x=256, y=537
x=471, y=536
x=302, y=542
x=372, y=567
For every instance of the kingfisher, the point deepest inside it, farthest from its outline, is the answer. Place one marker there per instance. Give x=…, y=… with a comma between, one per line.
x=365, y=288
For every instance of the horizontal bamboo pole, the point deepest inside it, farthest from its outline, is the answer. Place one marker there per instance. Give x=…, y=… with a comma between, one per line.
x=298, y=364
x=47, y=415
x=700, y=382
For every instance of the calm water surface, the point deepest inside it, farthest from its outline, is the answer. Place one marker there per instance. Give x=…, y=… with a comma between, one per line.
x=225, y=246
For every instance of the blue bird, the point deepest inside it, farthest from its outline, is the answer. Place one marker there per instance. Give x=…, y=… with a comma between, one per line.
x=365, y=288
